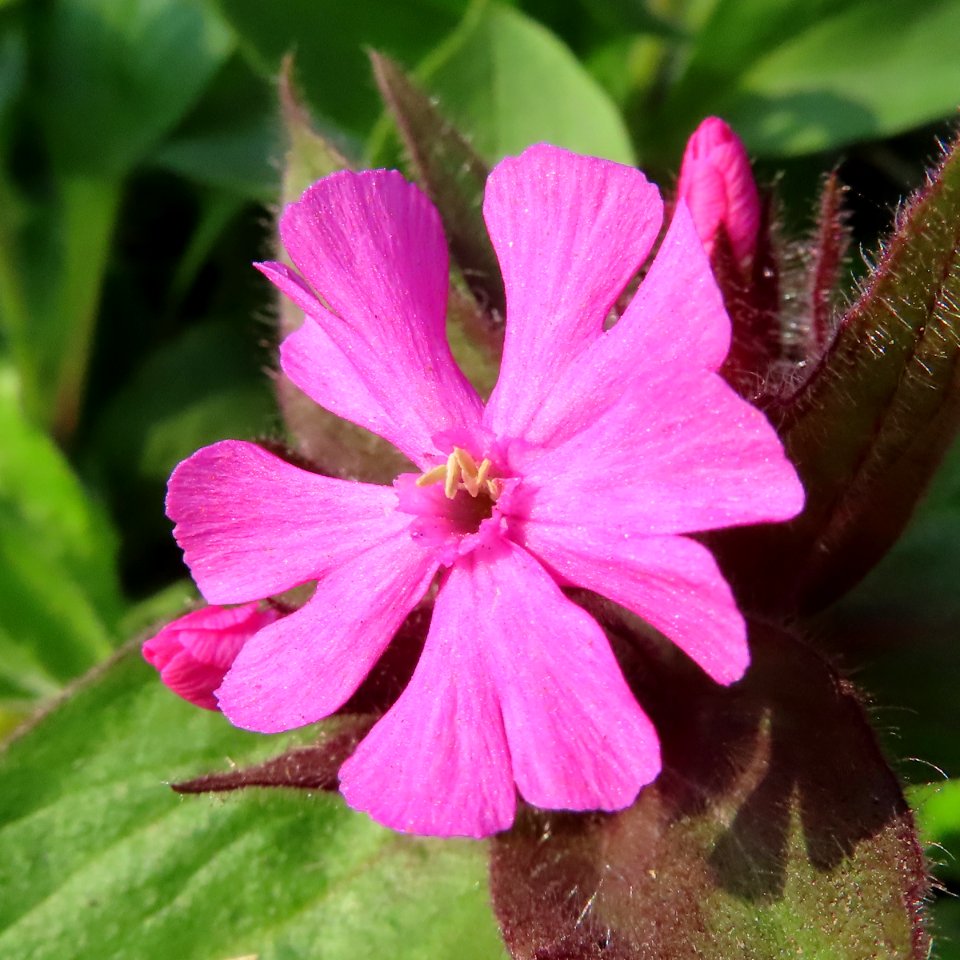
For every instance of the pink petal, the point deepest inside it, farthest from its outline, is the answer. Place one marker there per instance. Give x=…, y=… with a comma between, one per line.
x=676, y=319
x=671, y=582
x=578, y=739
x=570, y=232
x=372, y=246
x=252, y=525
x=717, y=183
x=194, y=652
x=438, y=763
x=678, y=454
x=307, y=665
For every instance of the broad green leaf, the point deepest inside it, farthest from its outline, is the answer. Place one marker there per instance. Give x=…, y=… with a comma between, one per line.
x=805, y=75
x=507, y=82
x=775, y=829
x=329, y=38
x=870, y=425
x=101, y=859
x=202, y=387
x=60, y=598
x=114, y=77
x=937, y=807
x=231, y=139
x=865, y=72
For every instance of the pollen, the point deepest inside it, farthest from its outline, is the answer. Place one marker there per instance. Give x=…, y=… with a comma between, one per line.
x=462, y=472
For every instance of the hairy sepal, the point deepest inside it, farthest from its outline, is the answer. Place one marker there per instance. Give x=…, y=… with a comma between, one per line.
x=870, y=424
x=776, y=828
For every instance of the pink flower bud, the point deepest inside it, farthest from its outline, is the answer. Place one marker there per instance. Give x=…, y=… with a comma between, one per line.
x=718, y=186
x=194, y=653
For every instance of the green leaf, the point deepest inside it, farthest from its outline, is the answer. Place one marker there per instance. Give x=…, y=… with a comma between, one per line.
x=945, y=923
x=115, y=77
x=131, y=871
x=111, y=80
x=232, y=137
x=329, y=38
x=206, y=385
x=60, y=598
x=872, y=422
x=937, y=807
x=806, y=75
x=775, y=829
x=507, y=82
x=863, y=73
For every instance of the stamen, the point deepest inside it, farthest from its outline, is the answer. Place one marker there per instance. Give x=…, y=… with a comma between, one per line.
x=468, y=471
x=451, y=479
x=432, y=476
x=483, y=471
x=461, y=472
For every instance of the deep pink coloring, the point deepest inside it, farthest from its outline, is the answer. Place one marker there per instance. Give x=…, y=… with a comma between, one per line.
x=717, y=185
x=194, y=653
x=594, y=457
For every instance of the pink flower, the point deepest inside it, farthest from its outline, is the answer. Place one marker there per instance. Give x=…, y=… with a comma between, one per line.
x=595, y=454
x=718, y=186
x=194, y=653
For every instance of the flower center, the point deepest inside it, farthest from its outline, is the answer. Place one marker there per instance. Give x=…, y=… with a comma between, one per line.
x=468, y=487
x=461, y=472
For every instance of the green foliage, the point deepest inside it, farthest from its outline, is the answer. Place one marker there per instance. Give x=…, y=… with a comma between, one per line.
x=59, y=593
x=131, y=871
x=842, y=80
x=806, y=75
x=103, y=88
x=328, y=38
x=511, y=83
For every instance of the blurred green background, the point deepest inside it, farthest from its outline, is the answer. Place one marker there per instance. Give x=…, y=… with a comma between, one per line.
x=141, y=150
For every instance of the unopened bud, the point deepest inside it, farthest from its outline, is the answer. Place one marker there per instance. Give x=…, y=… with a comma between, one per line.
x=194, y=653
x=718, y=186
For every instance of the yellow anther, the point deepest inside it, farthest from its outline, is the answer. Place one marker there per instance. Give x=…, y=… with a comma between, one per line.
x=482, y=472
x=468, y=471
x=451, y=479
x=432, y=476
x=461, y=472
x=467, y=464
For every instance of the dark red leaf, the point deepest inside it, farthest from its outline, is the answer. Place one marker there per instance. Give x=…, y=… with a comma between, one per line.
x=303, y=768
